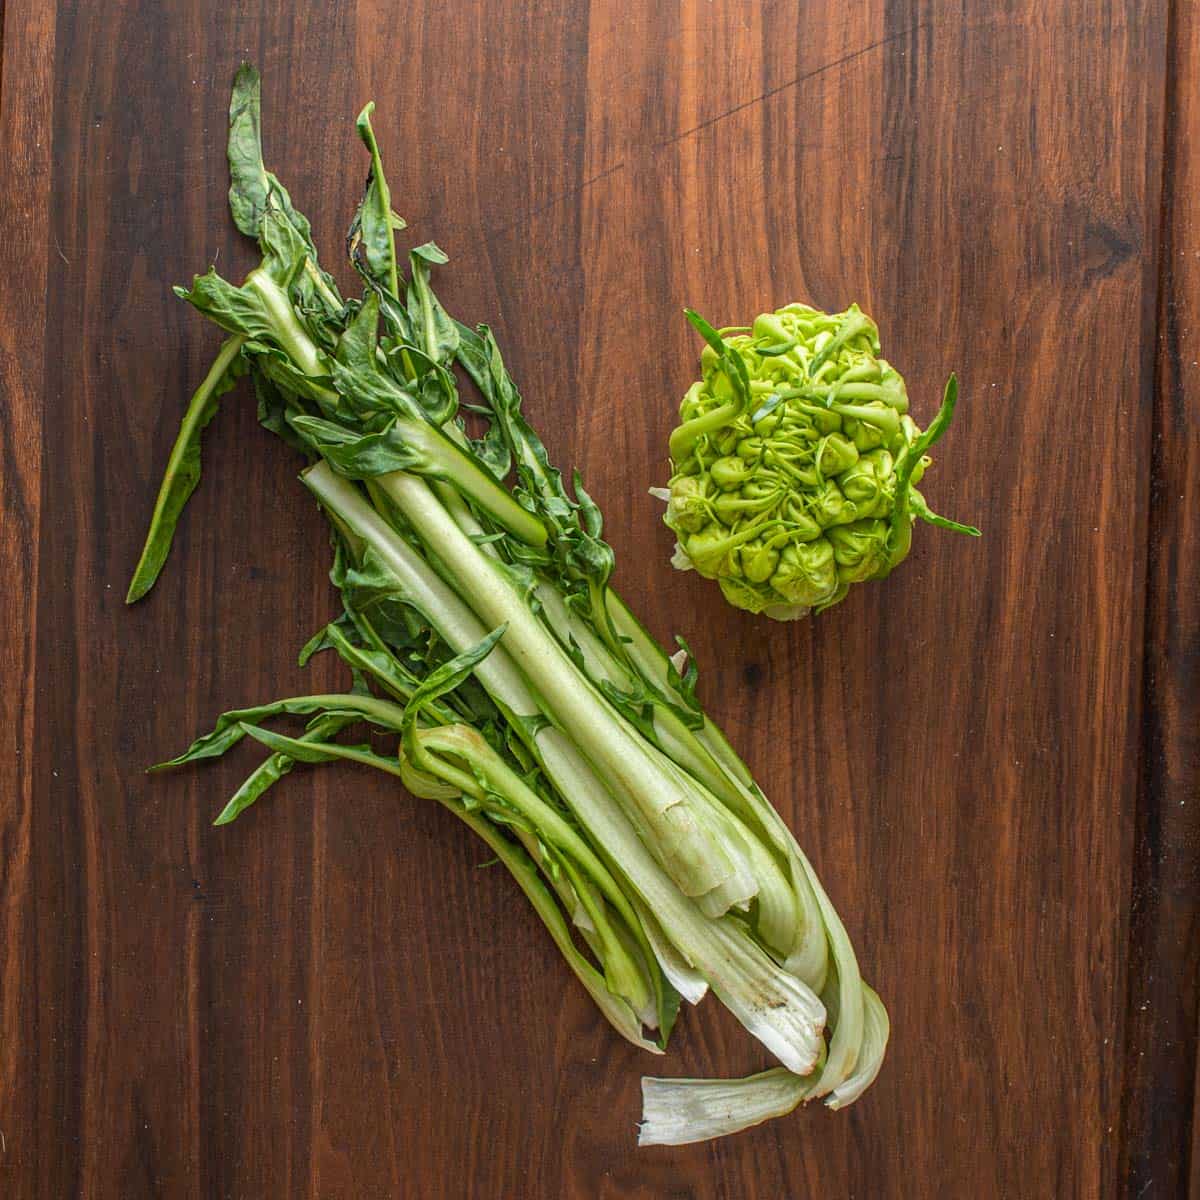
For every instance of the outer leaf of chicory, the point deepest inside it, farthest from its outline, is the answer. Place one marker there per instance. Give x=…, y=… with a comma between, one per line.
x=183, y=467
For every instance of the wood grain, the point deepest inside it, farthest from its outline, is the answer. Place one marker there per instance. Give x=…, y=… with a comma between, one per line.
x=28, y=998
x=985, y=755
x=1164, y=961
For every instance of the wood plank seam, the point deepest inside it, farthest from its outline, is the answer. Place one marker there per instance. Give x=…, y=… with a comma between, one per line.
x=1159, y=1072
x=26, y=57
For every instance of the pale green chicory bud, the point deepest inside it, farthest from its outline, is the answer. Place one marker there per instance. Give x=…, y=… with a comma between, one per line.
x=807, y=574
x=688, y=506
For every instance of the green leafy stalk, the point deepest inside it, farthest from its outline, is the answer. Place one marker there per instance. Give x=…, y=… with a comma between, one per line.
x=376, y=223
x=183, y=467
x=623, y=1015
x=702, y=866
x=582, y=561
x=254, y=191
x=776, y=917
x=620, y=1014
x=261, y=311
x=494, y=786
x=437, y=331
x=734, y=371
x=273, y=769
x=901, y=525
x=250, y=185
x=232, y=726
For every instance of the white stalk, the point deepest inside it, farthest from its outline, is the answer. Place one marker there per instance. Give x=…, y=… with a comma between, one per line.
x=701, y=865
x=777, y=1008
x=808, y=953
x=777, y=917
x=676, y=1112
x=870, y=1057
x=685, y=979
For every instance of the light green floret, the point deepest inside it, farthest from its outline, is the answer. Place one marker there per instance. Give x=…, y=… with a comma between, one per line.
x=795, y=461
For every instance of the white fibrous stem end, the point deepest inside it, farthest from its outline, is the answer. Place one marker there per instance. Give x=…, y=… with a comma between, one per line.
x=680, y=560
x=676, y=1112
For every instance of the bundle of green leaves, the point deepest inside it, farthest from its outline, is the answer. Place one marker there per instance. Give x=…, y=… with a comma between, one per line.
x=522, y=694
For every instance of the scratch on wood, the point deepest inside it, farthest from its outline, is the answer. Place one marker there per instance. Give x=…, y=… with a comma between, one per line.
x=791, y=83
x=541, y=208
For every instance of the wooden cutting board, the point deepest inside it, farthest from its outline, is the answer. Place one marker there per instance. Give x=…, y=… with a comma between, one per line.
x=991, y=757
